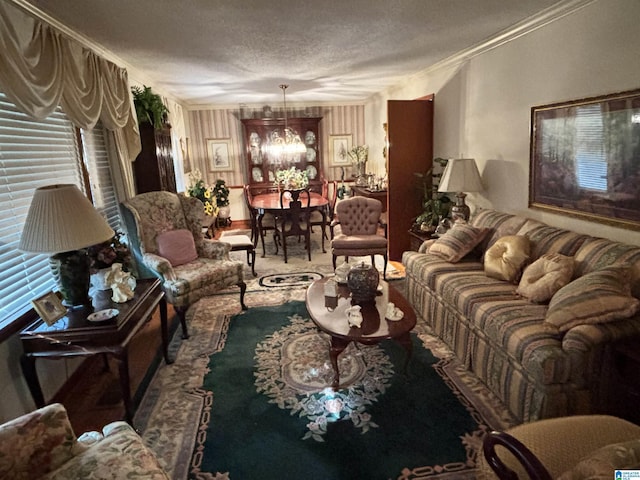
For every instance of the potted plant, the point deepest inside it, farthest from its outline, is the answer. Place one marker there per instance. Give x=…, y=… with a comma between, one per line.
x=435, y=205
x=221, y=192
x=198, y=189
x=149, y=107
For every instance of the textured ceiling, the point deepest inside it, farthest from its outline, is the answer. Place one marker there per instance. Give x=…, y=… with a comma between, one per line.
x=239, y=51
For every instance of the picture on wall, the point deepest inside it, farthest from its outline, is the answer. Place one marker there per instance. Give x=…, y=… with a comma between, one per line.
x=339, y=145
x=220, y=154
x=585, y=159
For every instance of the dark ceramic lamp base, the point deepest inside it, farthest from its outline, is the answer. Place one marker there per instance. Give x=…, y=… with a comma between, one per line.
x=71, y=273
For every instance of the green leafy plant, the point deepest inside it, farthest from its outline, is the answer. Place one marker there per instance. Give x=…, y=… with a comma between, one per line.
x=149, y=107
x=435, y=205
x=221, y=192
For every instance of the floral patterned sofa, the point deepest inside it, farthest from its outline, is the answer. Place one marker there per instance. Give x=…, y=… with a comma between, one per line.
x=42, y=445
x=541, y=359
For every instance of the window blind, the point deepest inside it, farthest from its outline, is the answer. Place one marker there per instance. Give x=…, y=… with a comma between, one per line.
x=32, y=154
x=96, y=155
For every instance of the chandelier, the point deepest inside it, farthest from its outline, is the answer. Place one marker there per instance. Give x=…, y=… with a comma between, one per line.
x=288, y=148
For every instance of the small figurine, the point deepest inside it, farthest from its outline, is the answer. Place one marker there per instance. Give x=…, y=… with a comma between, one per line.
x=354, y=316
x=342, y=271
x=122, y=284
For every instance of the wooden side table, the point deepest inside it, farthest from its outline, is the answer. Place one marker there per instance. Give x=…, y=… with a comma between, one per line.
x=621, y=394
x=74, y=335
x=417, y=238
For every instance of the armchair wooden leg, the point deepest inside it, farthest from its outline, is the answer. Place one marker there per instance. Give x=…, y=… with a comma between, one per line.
x=182, y=314
x=243, y=289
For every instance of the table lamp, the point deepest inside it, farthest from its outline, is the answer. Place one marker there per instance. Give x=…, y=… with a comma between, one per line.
x=460, y=175
x=62, y=222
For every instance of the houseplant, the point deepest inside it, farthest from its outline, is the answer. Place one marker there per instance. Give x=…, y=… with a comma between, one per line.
x=435, y=205
x=149, y=107
x=221, y=194
x=198, y=189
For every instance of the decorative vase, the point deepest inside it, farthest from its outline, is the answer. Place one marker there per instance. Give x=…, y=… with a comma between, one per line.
x=99, y=279
x=224, y=212
x=362, y=281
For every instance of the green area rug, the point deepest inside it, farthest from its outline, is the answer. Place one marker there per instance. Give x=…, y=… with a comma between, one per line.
x=272, y=416
x=246, y=398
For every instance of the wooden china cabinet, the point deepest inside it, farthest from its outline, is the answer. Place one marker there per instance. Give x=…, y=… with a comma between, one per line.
x=261, y=167
x=153, y=167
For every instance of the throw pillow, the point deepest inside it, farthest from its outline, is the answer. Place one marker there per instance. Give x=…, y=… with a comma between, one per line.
x=544, y=277
x=597, y=297
x=457, y=242
x=505, y=259
x=600, y=464
x=177, y=246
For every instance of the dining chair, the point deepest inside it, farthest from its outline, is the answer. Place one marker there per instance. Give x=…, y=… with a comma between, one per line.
x=354, y=232
x=259, y=223
x=293, y=221
x=323, y=218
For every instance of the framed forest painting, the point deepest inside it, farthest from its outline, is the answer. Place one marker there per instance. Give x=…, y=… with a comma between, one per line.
x=585, y=159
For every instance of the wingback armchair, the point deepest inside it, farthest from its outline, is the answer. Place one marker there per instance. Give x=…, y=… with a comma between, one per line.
x=165, y=232
x=354, y=231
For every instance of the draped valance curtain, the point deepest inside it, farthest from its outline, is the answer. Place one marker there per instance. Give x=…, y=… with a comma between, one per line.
x=40, y=69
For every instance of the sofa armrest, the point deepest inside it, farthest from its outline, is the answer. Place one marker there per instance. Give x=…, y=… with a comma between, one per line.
x=159, y=265
x=583, y=338
x=36, y=443
x=215, y=249
x=120, y=454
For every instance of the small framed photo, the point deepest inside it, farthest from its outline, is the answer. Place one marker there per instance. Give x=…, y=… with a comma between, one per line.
x=49, y=307
x=339, y=145
x=220, y=154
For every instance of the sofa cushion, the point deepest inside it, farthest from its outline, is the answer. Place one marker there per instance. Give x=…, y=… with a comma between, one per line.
x=544, y=277
x=457, y=242
x=546, y=239
x=597, y=297
x=499, y=224
x=600, y=464
x=506, y=258
x=177, y=246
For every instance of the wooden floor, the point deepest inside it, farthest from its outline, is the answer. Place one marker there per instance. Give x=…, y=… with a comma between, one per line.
x=92, y=396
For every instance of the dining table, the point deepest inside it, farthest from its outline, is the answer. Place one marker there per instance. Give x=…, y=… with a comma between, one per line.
x=269, y=203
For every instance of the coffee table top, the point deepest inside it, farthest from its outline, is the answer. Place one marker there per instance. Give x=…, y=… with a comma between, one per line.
x=375, y=326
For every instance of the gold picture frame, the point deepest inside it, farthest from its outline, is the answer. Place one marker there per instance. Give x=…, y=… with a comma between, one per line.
x=49, y=307
x=220, y=154
x=339, y=145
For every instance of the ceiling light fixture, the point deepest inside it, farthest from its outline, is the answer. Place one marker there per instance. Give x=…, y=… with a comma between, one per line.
x=285, y=149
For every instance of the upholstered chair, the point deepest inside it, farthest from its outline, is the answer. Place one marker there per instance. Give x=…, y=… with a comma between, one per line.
x=566, y=448
x=165, y=234
x=355, y=230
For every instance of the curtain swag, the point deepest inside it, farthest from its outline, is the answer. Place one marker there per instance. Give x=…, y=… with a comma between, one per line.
x=41, y=69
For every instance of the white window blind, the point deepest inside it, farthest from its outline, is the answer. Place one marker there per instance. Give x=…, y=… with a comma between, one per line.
x=591, y=162
x=33, y=154
x=96, y=155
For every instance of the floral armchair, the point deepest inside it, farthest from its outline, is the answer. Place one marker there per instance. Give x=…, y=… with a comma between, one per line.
x=165, y=233
x=42, y=445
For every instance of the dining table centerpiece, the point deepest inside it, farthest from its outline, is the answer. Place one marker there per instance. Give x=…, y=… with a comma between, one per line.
x=291, y=179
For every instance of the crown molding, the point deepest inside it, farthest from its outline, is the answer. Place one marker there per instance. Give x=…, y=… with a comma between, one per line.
x=512, y=33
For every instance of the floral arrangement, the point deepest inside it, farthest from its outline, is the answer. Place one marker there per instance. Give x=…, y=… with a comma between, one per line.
x=359, y=154
x=105, y=254
x=221, y=192
x=198, y=189
x=292, y=178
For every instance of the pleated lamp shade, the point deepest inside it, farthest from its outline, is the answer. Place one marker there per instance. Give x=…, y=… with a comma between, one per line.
x=460, y=175
x=61, y=219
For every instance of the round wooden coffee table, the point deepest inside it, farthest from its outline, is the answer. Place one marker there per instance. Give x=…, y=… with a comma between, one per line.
x=375, y=327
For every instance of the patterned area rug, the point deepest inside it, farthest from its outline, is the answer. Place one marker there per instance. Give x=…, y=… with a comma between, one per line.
x=178, y=413
x=284, y=280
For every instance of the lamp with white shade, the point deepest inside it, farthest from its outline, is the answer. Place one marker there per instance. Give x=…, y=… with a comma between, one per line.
x=62, y=222
x=459, y=176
